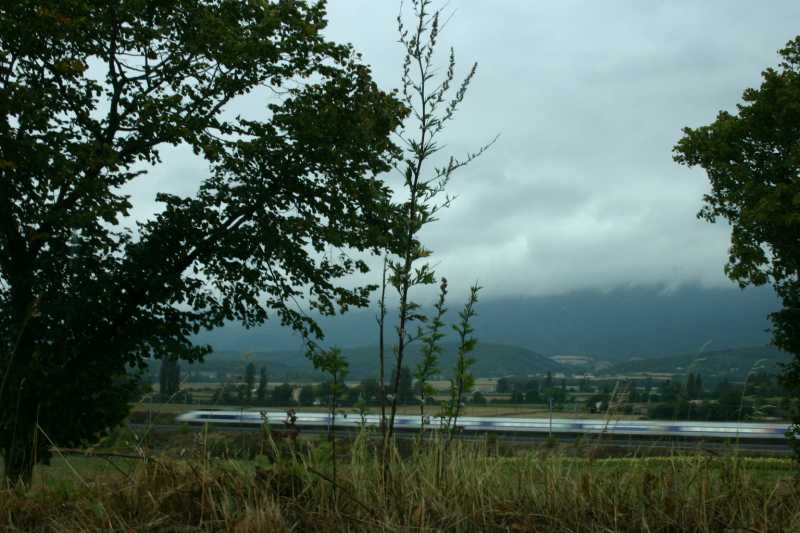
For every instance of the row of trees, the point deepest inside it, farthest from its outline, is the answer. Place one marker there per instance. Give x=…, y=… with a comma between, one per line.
x=285, y=394
x=762, y=395
x=524, y=384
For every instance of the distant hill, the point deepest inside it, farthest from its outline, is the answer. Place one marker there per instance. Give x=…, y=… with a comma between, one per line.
x=732, y=364
x=610, y=325
x=492, y=360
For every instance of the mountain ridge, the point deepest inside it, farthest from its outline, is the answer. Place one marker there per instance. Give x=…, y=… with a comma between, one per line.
x=611, y=325
x=491, y=360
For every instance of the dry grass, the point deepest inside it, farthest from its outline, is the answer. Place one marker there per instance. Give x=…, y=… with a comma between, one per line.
x=287, y=488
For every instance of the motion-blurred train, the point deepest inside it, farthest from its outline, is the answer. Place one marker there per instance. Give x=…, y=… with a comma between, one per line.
x=499, y=425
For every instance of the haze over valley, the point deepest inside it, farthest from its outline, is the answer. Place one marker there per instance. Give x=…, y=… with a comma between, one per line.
x=614, y=325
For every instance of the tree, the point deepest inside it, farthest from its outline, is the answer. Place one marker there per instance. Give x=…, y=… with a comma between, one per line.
x=633, y=394
x=503, y=386
x=169, y=380
x=532, y=396
x=306, y=396
x=669, y=391
x=249, y=381
x=282, y=394
x=83, y=297
x=694, y=386
x=557, y=395
x=752, y=160
x=370, y=390
x=263, y=382
x=405, y=390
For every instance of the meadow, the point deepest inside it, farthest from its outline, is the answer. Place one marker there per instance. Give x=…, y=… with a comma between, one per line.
x=210, y=481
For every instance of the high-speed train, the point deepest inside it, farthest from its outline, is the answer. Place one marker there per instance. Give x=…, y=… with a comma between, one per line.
x=479, y=424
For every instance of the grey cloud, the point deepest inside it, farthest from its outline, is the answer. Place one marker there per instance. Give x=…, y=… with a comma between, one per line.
x=589, y=98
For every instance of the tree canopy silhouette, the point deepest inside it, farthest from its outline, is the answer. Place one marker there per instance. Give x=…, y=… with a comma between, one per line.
x=752, y=159
x=91, y=91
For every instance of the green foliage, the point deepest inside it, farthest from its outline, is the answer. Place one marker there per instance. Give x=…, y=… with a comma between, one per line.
x=694, y=386
x=405, y=388
x=493, y=360
x=362, y=410
x=282, y=394
x=478, y=398
x=82, y=297
x=752, y=159
x=249, y=381
x=503, y=386
x=557, y=395
x=467, y=342
x=263, y=381
x=733, y=363
x=169, y=378
x=369, y=390
x=428, y=367
x=433, y=104
x=334, y=364
x=463, y=381
x=306, y=396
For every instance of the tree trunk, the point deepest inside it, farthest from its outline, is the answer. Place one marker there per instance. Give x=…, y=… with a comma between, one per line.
x=19, y=456
x=381, y=356
x=17, y=408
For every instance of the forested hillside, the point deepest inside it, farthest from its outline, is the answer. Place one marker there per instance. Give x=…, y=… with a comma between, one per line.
x=615, y=325
x=733, y=363
x=492, y=360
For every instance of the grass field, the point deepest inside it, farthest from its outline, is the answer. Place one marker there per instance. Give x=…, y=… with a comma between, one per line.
x=213, y=483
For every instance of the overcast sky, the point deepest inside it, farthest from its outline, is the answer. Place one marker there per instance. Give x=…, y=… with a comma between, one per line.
x=589, y=98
